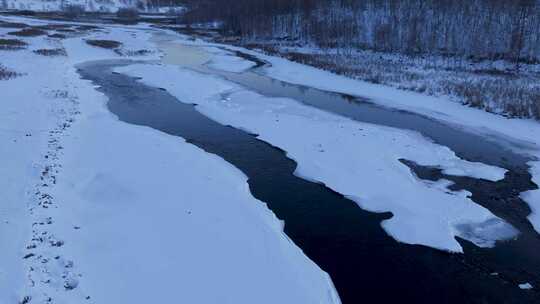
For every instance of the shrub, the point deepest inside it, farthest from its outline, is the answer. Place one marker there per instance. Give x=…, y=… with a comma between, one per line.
x=134, y=53
x=87, y=27
x=6, y=73
x=12, y=44
x=106, y=44
x=51, y=52
x=28, y=32
x=26, y=13
x=128, y=13
x=73, y=11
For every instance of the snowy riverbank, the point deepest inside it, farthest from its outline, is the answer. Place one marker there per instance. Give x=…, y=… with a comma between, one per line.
x=105, y=211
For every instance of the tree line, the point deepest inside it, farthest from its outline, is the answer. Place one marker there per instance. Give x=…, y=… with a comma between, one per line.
x=477, y=29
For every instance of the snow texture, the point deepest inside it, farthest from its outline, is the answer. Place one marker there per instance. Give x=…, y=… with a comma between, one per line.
x=90, y=215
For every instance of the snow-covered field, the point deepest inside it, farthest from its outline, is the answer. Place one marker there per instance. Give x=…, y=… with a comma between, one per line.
x=96, y=210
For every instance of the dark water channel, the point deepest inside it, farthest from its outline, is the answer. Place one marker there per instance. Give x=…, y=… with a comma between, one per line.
x=366, y=265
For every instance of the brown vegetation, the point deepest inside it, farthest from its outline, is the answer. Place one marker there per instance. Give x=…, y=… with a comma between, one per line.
x=134, y=53
x=6, y=73
x=12, y=44
x=87, y=27
x=28, y=32
x=106, y=44
x=494, y=90
x=128, y=13
x=51, y=52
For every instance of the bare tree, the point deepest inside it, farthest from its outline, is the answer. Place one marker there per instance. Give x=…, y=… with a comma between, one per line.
x=480, y=29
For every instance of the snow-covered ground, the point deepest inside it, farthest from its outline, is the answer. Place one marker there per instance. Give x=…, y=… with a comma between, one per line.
x=91, y=215
x=96, y=216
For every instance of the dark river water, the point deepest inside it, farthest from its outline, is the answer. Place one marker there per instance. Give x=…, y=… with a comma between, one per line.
x=366, y=265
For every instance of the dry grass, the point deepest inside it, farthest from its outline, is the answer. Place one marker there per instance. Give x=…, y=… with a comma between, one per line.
x=203, y=33
x=106, y=44
x=134, y=53
x=51, y=52
x=516, y=97
x=28, y=32
x=502, y=91
x=130, y=14
x=6, y=73
x=12, y=44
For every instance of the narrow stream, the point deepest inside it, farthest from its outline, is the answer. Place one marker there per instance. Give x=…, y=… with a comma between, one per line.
x=366, y=265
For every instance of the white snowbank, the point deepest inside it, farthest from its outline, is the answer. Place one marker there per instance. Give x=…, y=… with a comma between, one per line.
x=356, y=159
